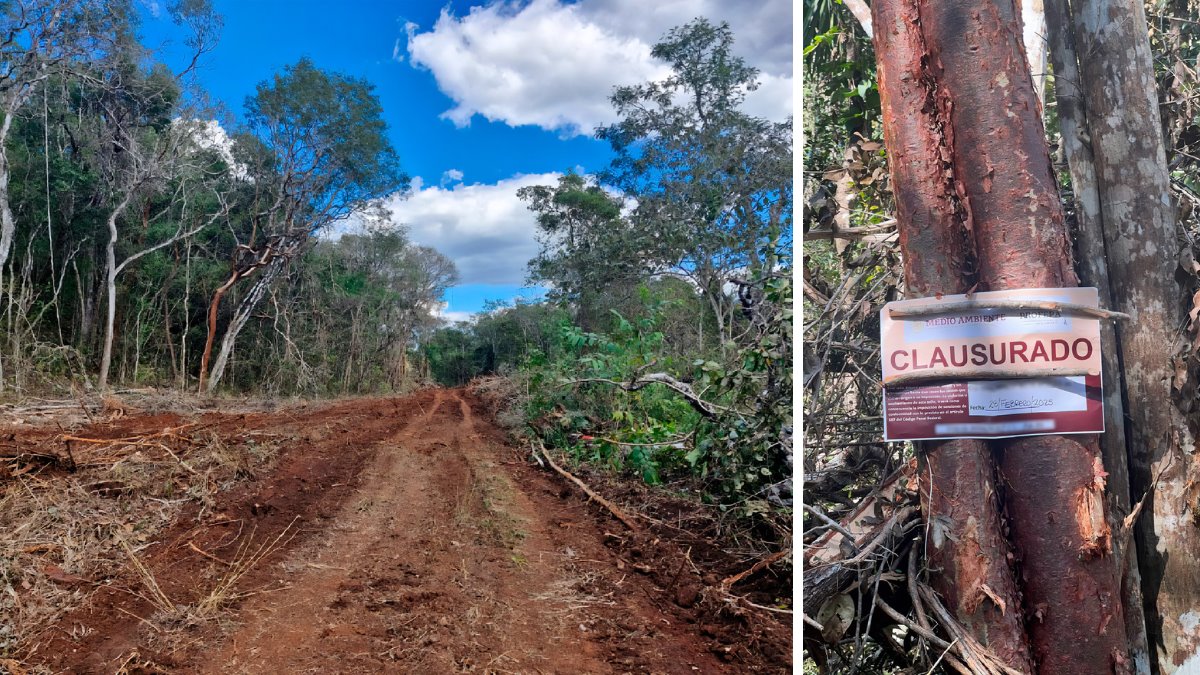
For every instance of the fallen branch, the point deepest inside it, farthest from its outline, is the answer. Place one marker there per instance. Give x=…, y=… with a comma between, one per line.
x=612, y=508
x=924, y=633
x=670, y=441
x=206, y=554
x=684, y=389
x=774, y=557
x=905, y=379
x=980, y=659
x=825, y=578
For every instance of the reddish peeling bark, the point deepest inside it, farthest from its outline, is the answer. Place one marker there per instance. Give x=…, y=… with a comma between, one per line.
x=966, y=548
x=1000, y=156
x=1054, y=484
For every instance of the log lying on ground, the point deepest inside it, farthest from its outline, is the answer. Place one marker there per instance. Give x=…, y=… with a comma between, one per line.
x=835, y=560
x=612, y=508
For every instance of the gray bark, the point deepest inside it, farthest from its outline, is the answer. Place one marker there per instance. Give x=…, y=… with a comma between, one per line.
x=7, y=225
x=1093, y=270
x=110, y=284
x=1117, y=77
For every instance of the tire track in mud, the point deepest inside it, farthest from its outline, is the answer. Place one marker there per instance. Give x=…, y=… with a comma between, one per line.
x=432, y=551
x=429, y=568
x=325, y=448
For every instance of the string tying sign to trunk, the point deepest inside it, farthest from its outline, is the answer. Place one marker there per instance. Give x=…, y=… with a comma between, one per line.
x=993, y=365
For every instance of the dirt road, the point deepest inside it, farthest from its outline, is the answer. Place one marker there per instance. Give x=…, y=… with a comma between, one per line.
x=403, y=536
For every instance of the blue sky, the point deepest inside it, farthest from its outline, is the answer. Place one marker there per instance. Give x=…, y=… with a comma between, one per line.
x=480, y=98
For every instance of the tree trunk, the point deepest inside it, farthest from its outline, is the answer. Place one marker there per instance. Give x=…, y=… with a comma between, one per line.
x=957, y=477
x=214, y=308
x=1139, y=231
x=1054, y=484
x=7, y=226
x=1093, y=271
x=110, y=284
x=240, y=316
x=1033, y=36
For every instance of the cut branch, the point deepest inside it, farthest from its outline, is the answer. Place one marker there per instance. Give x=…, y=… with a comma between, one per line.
x=612, y=508
x=684, y=389
x=906, y=379
x=962, y=307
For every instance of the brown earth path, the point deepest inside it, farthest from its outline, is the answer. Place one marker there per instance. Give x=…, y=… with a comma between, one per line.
x=427, y=549
x=437, y=563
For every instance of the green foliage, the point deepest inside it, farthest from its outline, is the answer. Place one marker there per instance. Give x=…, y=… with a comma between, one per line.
x=713, y=184
x=326, y=136
x=588, y=248
x=592, y=402
x=592, y=420
x=450, y=354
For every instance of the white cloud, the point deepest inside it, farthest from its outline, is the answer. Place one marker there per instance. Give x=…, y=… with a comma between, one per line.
x=484, y=228
x=210, y=135
x=772, y=99
x=554, y=65
x=451, y=176
x=452, y=317
x=398, y=51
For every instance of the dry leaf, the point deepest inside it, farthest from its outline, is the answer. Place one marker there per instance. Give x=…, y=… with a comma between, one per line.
x=1181, y=373
x=836, y=615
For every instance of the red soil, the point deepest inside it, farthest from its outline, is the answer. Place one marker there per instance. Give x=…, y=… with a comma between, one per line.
x=414, y=541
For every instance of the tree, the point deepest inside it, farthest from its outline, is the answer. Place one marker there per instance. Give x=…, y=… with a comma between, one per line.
x=1121, y=180
x=141, y=152
x=36, y=36
x=588, y=249
x=324, y=154
x=974, y=86
x=958, y=482
x=713, y=184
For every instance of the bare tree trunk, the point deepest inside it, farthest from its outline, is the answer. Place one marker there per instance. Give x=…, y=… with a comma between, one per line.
x=1033, y=35
x=1054, y=484
x=7, y=225
x=1139, y=231
x=214, y=308
x=1093, y=270
x=187, y=294
x=110, y=285
x=240, y=316
x=957, y=477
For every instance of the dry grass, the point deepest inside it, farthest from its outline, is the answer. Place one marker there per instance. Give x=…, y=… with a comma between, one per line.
x=248, y=556
x=63, y=532
x=485, y=506
x=505, y=397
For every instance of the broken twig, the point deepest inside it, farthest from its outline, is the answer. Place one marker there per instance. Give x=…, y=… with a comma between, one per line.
x=612, y=508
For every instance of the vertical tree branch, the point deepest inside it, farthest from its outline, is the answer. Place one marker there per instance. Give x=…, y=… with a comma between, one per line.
x=957, y=484
x=1053, y=484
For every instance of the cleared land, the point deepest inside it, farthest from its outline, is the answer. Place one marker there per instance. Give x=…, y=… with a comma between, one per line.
x=368, y=535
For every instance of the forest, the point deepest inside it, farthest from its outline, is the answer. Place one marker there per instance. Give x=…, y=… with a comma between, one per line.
x=178, y=284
